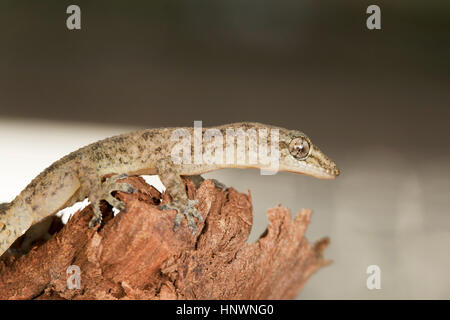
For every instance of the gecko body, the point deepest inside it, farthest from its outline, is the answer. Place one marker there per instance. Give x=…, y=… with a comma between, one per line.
x=80, y=174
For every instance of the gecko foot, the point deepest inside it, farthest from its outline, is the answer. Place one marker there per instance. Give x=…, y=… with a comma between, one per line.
x=104, y=193
x=188, y=211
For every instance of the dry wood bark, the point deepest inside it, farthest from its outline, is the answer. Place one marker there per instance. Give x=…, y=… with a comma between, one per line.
x=136, y=255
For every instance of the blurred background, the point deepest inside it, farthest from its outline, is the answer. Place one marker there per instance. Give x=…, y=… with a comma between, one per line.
x=377, y=102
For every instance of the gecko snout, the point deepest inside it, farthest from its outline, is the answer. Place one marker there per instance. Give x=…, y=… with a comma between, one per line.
x=335, y=171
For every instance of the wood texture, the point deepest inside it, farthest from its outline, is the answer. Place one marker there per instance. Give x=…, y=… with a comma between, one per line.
x=136, y=255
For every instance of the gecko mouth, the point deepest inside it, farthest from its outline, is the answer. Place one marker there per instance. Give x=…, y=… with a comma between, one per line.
x=328, y=174
x=310, y=169
x=322, y=173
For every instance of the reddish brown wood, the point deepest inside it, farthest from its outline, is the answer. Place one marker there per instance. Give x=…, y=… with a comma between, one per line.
x=136, y=255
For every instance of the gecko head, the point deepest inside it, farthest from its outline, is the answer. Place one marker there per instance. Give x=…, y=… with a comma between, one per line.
x=300, y=155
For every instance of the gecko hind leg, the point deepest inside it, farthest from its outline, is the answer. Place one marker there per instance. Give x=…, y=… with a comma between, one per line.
x=104, y=193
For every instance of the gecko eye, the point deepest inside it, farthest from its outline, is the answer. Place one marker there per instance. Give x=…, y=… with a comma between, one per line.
x=300, y=148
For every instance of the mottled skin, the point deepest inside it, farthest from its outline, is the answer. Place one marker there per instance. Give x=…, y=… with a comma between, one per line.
x=80, y=175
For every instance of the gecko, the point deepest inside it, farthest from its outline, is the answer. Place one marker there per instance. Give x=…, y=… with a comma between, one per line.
x=81, y=174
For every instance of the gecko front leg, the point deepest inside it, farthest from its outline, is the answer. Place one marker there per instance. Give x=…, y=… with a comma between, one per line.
x=171, y=178
x=103, y=192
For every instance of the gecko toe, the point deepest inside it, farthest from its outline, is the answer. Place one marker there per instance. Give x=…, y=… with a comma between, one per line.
x=97, y=217
x=119, y=205
x=171, y=206
x=164, y=207
x=187, y=211
x=191, y=223
x=191, y=211
x=177, y=222
x=124, y=187
x=95, y=221
x=196, y=214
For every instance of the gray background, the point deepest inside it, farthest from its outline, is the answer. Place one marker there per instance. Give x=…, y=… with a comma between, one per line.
x=377, y=102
